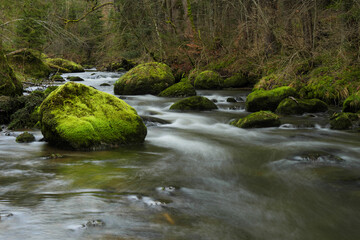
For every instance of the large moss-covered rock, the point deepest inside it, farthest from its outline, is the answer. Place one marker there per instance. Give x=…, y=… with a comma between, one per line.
x=8, y=106
x=9, y=84
x=28, y=63
x=236, y=81
x=79, y=117
x=268, y=99
x=148, y=78
x=193, y=74
x=352, y=103
x=208, y=80
x=195, y=103
x=180, y=89
x=63, y=65
x=260, y=119
x=344, y=121
x=121, y=65
x=291, y=105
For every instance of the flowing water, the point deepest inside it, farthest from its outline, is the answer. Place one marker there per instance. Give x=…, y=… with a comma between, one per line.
x=195, y=177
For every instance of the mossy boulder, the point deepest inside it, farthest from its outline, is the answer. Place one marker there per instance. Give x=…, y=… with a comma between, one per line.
x=8, y=106
x=121, y=65
x=180, y=89
x=291, y=105
x=236, y=81
x=29, y=63
x=208, y=80
x=352, y=103
x=57, y=78
x=75, y=79
x=63, y=65
x=193, y=74
x=79, y=117
x=147, y=78
x=261, y=119
x=195, y=103
x=344, y=121
x=25, y=138
x=9, y=84
x=268, y=99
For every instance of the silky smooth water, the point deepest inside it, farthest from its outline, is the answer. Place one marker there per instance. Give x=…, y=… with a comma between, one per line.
x=196, y=177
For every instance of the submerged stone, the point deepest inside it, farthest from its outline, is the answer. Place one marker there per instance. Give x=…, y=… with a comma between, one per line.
x=9, y=84
x=181, y=89
x=260, y=119
x=208, y=80
x=148, y=78
x=292, y=105
x=268, y=99
x=79, y=117
x=352, y=103
x=195, y=103
x=25, y=138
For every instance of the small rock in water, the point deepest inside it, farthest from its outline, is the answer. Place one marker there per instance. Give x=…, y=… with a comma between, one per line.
x=25, y=138
x=94, y=224
x=75, y=79
x=105, y=85
x=2, y=217
x=231, y=100
x=55, y=156
x=319, y=157
x=240, y=99
x=93, y=74
x=214, y=100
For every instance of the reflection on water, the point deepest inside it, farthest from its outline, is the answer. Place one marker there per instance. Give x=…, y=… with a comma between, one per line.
x=193, y=178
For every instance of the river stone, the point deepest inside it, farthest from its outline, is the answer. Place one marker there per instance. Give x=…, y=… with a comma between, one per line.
x=148, y=78
x=268, y=99
x=352, y=103
x=75, y=79
x=57, y=78
x=79, y=117
x=9, y=84
x=238, y=80
x=292, y=105
x=180, y=89
x=63, y=65
x=208, y=80
x=25, y=138
x=195, y=103
x=260, y=119
x=29, y=62
x=344, y=121
x=8, y=106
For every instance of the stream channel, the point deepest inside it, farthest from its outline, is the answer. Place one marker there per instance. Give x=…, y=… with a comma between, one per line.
x=195, y=177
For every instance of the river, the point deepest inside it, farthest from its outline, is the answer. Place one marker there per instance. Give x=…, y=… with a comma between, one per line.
x=195, y=177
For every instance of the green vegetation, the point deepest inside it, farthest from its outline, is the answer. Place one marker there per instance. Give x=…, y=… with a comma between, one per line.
x=63, y=65
x=148, y=78
x=181, y=89
x=344, y=121
x=236, y=81
x=268, y=99
x=9, y=84
x=195, y=103
x=260, y=119
x=79, y=117
x=352, y=103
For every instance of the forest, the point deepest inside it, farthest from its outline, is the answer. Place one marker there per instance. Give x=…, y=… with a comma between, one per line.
x=179, y=119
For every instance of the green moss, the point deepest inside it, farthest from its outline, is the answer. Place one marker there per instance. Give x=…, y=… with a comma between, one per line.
x=57, y=78
x=208, y=80
x=25, y=138
x=121, y=65
x=352, y=103
x=236, y=81
x=193, y=74
x=268, y=99
x=50, y=90
x=197, y=103
x=148, y=78
x=79, y=117
x=63, y=65
x=29, y=63
x=343, y=121
x=258, y=120
x=9, y=84
x=290, y=106
x=8, y=106
x=181, y=89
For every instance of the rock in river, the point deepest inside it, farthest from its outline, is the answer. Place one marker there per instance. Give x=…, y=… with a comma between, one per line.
x=148, y=78
x=258, y=120
x=194, y=103
x=79, y=117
